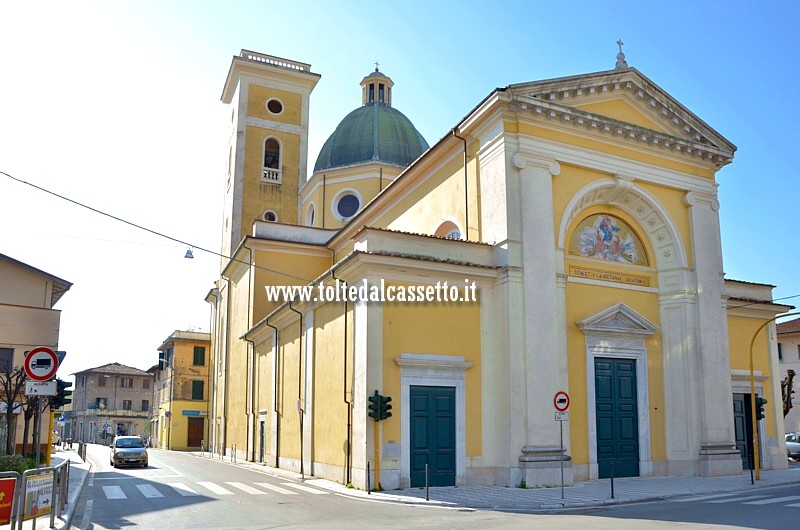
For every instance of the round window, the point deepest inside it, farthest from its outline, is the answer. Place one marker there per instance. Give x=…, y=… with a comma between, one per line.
x=270, y=216
x=274, y=106
x=348, y=205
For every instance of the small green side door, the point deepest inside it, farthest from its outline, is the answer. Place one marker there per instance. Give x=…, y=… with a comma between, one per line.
x=433, y=435
x=617, y=417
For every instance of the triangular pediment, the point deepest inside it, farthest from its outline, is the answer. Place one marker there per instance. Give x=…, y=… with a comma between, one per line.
x=618, y=318
x=623, y=104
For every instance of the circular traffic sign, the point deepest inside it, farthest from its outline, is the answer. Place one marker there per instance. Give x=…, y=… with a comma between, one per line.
x=561, y=401
x=41, y=364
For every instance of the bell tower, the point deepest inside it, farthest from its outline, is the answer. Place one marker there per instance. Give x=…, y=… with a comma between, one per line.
x=267, y=154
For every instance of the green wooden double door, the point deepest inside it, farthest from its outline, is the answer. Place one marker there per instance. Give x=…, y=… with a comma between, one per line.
x=617, y=417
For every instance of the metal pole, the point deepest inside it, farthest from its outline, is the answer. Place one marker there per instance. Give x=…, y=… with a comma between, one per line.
x=38, y=428
x=562, y=458
x=612, y=479
x=427, y=490
x=368, y=488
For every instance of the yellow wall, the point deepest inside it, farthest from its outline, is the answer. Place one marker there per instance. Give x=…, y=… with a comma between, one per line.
x=295, y=265
x=439, y=197
x=260, y=196
x=237, y=364
x=584, y=301
x=257, y=104
x=608, y=148
x=289, y=438
x=435, y=329
x=740, y=333
x=619, y=109
x=330, y=409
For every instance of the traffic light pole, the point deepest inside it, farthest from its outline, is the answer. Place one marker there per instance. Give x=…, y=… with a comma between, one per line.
x=377, y=456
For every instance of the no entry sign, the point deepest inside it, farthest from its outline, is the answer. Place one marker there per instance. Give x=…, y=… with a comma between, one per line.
x=561, y=401
x=41, y=364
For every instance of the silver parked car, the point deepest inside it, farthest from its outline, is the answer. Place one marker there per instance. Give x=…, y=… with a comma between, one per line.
x=128, y=451
x=793, y=444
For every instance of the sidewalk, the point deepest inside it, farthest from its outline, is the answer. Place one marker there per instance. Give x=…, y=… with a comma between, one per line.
x=581, y=495
x=78, y=472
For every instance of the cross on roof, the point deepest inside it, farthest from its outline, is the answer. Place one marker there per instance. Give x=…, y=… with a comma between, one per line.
x=376, y=66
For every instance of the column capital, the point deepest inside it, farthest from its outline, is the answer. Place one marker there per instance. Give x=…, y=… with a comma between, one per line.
x=694, y=198
x=523, y=160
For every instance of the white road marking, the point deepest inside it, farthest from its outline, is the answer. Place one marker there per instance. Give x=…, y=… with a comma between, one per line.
x=114, y=492
x=245, y=488
x=276, y=489
x=183, y=489
x=219, y=490
x=704, y=497
x=148, y=491
x=177, y=473
x=87, y=515
x=775, y=500
x=305, y=488
x=737, y=499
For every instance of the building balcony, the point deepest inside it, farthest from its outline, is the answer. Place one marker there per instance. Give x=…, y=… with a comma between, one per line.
x=273, y=176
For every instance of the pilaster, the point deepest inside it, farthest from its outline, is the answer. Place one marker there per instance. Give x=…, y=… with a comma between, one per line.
x=718, y=453
x=545, y=357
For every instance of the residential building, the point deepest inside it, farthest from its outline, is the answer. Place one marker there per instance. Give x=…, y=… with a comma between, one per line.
x=181, y=393
x=563, y=237
x=110, y=400
x=789, y=356
x=28, y=319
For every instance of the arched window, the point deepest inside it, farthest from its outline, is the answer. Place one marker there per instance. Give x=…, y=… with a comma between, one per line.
x=310, y=214
x=448, y=230
x=272, y=161
x=270, y=216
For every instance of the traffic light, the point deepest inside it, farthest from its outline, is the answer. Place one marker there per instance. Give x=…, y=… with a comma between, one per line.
x=379, y=407
x=62, y=395
x=63, y=389
x=375, y=406
x=760, y=402
x=385, y=407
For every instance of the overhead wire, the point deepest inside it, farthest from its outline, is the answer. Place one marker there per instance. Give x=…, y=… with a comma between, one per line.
x=150, y=230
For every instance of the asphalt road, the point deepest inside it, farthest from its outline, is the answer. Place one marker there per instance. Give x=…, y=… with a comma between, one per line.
x=769, y=508
x=181, y=491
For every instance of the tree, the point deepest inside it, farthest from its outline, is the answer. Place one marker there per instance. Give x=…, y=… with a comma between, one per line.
x=12, y=383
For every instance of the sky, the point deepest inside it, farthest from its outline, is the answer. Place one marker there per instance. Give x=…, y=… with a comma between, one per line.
x=117, y=105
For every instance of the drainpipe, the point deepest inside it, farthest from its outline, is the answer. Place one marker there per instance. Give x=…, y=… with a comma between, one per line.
x=347, y=455
x=466, y=194
x=212, y=374
x=324, y=206
x=380, y=180
x=300, y=384
x=275, y=398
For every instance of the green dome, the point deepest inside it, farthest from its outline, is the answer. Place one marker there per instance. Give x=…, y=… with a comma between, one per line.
x=374, y=132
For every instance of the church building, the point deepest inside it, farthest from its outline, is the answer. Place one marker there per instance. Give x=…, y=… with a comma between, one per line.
x=557, y=250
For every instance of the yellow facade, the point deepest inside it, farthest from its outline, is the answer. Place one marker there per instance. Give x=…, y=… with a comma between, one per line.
x=585, y=215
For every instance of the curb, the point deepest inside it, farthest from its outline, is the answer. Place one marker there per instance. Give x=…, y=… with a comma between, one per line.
x=338, y=489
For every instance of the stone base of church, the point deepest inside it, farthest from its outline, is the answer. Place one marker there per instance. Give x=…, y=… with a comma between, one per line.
x=543, y=465
x=719, y=459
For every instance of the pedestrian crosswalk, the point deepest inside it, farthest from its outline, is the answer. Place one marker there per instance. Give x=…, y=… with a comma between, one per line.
x=153, y=490
x=789, y=501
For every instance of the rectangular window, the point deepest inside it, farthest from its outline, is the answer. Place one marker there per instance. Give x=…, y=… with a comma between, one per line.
x=371, y=93
x=101, y=401
x=197, y=390
x=82, y=380
x=780, y=353
x=127, y=382
x=199, y=355
x=6, y=360
x=127, y=404
x=145, y=405
x=381, y=93
x=145, y=383
x=101, y=380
